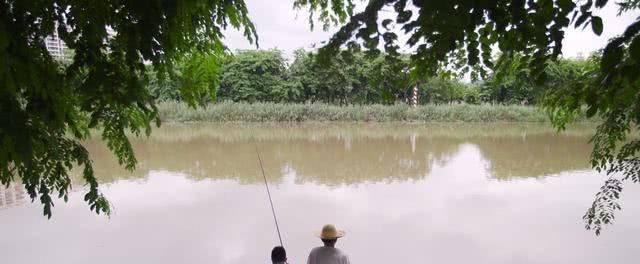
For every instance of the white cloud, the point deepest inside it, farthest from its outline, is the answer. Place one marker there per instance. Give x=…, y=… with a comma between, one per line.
x=278, y=26
x=578, y=41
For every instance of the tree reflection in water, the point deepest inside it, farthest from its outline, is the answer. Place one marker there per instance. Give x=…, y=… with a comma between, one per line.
x=335, y=154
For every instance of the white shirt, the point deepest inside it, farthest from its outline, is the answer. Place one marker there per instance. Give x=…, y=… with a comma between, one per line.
x=327, y=255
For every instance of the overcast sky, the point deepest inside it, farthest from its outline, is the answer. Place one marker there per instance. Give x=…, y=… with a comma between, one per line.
x=280, y=26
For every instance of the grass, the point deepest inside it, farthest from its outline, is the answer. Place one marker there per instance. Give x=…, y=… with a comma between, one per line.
x=284, y=112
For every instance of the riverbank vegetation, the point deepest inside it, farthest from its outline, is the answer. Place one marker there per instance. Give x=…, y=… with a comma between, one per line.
x=363, y=79
x=258, y=86
x=173, y=111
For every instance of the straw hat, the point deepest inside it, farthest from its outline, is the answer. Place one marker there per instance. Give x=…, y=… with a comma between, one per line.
x=330, y=232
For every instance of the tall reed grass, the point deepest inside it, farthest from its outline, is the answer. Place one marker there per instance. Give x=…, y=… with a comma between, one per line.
x=285, y=112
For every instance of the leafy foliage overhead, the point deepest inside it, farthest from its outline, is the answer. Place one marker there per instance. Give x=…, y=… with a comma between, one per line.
x=437, y=29
x=47, y=108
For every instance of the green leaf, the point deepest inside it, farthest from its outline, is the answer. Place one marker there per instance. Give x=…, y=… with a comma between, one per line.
x=601, y=3
x=596, y=25
x=581, y=19
x=611, y=56
x=386, y=22
x=591, y=111
x=634, y=49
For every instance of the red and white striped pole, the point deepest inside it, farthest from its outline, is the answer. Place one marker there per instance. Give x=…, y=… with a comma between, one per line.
x=414, y=98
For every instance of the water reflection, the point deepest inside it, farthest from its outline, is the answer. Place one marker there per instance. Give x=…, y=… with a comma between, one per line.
x=347, y=154
x=405, y=194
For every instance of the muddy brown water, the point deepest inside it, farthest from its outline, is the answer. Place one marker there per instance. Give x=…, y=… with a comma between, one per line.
x=404, y=193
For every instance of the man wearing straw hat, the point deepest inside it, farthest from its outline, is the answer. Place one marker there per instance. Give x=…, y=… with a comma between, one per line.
x=328, y=254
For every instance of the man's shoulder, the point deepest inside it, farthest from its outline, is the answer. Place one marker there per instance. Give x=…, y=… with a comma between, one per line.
x=328, y=250
x=316, y=250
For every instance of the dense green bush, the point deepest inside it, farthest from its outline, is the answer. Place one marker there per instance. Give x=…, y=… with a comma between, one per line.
x=256, y=76
x=512, y=81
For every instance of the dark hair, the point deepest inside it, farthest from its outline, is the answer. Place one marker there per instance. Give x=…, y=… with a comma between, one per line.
x=278, y=254
x=329, y=242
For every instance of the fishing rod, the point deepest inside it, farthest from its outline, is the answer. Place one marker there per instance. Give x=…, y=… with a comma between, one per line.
x=273, y=211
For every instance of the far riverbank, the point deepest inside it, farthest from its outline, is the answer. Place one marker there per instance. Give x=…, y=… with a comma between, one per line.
x=284, y=112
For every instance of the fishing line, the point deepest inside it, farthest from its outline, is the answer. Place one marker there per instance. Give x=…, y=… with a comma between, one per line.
x=273, y=211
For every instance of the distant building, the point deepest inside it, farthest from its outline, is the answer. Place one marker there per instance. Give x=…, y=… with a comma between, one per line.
x=55, y=46
x=11, y=196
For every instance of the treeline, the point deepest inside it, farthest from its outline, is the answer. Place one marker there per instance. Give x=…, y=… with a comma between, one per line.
x=266, y=76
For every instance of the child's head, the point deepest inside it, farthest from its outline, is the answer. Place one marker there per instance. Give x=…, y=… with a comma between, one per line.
x=278, y=255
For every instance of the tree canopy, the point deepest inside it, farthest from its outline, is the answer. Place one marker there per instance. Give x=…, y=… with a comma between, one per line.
x=47, y=108
x=357, y=78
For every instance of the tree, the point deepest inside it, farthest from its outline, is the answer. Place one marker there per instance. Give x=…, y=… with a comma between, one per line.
x=442, y=90
x=256, y=76
x=351, y=78
x=341, y=80
x=47, y=108
x=512, y=82
x=194, y=72
x=389, y=79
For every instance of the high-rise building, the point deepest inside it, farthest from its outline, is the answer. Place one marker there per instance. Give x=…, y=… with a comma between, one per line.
x=12, y=195
x=55, y=46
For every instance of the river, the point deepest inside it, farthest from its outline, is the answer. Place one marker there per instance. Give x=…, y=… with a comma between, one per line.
x=404, y=193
